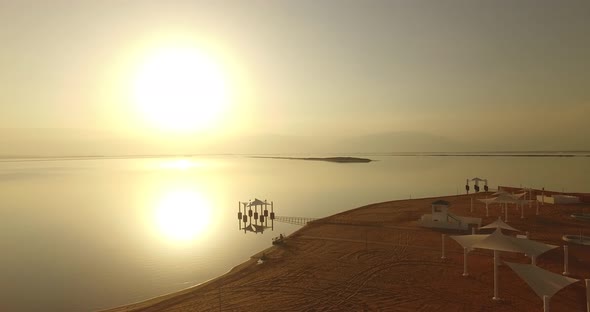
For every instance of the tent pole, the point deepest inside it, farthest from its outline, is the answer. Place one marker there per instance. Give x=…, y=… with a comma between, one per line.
x=587, y=295
x=506, y=213
x=465, y=251
x=496, y=276
x=443, y=247
x=565, y=260
x=545, y=303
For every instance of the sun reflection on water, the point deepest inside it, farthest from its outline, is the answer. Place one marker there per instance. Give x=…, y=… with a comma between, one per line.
x=183, y=214
x=179, y=164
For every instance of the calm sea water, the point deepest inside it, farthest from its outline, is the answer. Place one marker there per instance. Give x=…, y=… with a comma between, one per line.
x=82, y=235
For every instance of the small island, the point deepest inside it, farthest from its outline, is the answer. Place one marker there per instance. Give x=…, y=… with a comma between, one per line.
x=330, y=159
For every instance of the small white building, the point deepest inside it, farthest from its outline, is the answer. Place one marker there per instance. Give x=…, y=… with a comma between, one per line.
x=442, y=218
x=558, y=199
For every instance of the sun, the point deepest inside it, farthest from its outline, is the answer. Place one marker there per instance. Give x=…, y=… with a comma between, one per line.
x=180, y=89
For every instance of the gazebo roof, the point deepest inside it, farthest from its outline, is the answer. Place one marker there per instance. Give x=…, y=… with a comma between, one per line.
x=256, y=202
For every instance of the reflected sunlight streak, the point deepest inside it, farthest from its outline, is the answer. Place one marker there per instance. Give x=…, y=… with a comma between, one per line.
x=180, y=164
x=183, y=215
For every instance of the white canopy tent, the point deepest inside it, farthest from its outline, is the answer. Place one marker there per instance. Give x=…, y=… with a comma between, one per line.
x=502, y=198
x=544, y=283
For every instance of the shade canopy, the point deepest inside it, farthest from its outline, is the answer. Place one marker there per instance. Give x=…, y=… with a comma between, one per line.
x=487, y=201
x=501, y=242
x=466, y=241
x=499, y=224
x=543, y=282
x=500, y=192
x=507, y=198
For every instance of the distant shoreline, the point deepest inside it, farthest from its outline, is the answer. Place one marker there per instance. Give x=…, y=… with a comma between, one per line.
x=328, y=159
x=342, y=159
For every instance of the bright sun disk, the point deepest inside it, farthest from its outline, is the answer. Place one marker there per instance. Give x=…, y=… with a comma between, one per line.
x=180, y=89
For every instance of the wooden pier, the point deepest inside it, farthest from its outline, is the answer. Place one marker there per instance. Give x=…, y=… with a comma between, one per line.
x=294, y=220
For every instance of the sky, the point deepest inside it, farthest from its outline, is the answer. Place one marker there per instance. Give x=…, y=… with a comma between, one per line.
x=492, y=75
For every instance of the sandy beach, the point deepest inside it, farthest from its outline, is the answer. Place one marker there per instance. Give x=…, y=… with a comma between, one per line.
x=376, y=258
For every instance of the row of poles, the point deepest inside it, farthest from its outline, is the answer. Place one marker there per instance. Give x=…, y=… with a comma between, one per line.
x=250, y=214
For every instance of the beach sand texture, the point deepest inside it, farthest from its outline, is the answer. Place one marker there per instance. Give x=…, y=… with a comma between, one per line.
x=376, y=258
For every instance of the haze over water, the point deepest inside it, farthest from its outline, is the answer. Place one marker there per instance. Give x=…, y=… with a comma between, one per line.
x=79, y=235
x=305, y=77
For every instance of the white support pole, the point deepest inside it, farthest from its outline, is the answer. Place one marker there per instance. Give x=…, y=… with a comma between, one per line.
x=565, y=261
x=545, y=303
x=587, y=295
x=496, y=276
x=506, y=213
x=465, y=251
x=443, y=247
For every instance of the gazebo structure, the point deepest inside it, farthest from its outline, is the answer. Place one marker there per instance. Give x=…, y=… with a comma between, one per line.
x=260, y=219
x=476, y=182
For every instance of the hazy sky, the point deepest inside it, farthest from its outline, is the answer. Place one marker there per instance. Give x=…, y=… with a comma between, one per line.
x=461, y=69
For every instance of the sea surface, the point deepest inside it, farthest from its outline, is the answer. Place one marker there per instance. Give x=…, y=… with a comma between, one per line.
x=82, y=234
